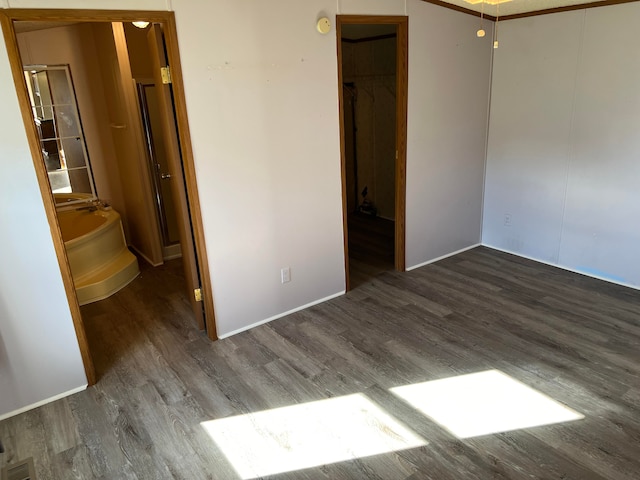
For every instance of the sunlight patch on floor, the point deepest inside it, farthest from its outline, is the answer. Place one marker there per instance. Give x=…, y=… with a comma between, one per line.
x=307, y=435
x=484, y=403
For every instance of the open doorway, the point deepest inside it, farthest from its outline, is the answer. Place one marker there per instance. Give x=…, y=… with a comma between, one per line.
x=372, y=54
x=98, y=44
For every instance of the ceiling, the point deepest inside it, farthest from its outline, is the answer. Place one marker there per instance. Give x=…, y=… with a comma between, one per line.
x=514, y=7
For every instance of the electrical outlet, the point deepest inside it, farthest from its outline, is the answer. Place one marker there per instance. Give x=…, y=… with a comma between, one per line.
x=285, y=275
x=507, y=219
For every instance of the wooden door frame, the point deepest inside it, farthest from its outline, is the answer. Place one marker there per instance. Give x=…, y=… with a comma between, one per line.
x=402, y=74
x=167, y=19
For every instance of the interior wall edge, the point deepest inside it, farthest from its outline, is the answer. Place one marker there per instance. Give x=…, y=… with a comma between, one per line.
x=486, y=138
x=442, y=257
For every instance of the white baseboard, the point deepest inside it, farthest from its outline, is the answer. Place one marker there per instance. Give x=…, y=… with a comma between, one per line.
x=443, y=257
x=562, y=267
x=280, y=315
x=42, y=402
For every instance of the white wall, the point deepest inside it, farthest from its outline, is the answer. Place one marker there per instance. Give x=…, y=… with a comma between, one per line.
x=449, y=77
x=39, y=354
x=564, y=144
x=263, y=106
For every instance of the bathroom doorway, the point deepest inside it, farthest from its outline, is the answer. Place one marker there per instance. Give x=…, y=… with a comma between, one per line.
x=372, y=69
x=171, y=105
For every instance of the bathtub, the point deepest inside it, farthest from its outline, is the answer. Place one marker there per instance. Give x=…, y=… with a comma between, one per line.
x=63, y=199
x=101, y=264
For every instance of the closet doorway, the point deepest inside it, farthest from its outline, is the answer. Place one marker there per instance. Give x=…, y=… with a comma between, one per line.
x=372, y=70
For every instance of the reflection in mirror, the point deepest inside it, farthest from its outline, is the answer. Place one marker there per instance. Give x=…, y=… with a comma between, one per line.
x=55, y=112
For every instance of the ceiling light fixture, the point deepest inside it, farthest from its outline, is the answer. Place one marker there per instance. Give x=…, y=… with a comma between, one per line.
x=141, y=24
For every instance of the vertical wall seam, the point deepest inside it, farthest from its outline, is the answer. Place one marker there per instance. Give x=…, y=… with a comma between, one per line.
x=570, y=147
x=486, y=137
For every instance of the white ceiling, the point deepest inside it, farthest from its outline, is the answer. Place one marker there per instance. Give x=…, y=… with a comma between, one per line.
x=518, y=6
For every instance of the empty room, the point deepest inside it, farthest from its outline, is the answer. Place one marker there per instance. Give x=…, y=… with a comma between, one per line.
x=501, y=340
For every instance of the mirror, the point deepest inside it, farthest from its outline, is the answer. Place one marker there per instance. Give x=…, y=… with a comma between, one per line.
x=62, y=142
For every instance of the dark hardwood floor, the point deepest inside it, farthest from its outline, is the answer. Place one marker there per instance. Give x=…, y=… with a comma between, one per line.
x=371, y=247
x=572, y=338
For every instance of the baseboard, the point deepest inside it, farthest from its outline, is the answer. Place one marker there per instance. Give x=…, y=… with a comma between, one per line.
x=144, y=257
x=562, y=267
x=172, y=257
x=171, y=252
x=280, y=315
x=443, y=257
x=42, y=402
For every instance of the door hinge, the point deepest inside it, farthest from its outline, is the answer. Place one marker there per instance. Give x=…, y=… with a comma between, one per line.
x=197, y=294
x=165, y=73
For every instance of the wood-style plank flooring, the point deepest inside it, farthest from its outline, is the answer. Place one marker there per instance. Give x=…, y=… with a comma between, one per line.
x=371, y=247
x=575, y=339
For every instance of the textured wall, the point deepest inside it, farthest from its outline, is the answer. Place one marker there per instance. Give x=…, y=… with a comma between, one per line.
x=449, y=76
x=563, y=145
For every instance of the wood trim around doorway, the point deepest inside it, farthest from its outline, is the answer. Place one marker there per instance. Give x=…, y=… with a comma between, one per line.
x=171, y=38
x=402, y=63
x=167, y=19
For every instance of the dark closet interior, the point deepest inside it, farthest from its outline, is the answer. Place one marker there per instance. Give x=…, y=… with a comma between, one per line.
x=369, y=108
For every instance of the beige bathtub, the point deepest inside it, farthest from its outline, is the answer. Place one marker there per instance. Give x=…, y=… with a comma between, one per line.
x=101, y=263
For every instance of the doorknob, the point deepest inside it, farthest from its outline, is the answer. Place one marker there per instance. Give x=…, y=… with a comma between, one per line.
x=165, y=176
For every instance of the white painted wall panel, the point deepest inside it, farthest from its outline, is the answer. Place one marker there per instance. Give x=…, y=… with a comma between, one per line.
x=534, y=73
x=601, y=231
x=263, y=103
x=39, y=354
x=449, y=76
x=563, y=142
